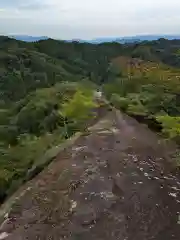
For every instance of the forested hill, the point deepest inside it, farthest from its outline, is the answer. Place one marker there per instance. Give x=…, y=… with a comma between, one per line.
x=46, y=94
x=44, y=63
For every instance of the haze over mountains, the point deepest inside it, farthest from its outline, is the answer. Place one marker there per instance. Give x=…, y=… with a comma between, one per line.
x=28, y=38
x=130, y=39
x=138, y=38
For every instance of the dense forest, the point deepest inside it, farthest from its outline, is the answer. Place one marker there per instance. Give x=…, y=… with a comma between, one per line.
x=46, y=94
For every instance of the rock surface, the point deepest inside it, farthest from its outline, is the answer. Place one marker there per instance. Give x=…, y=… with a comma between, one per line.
x=115, y=182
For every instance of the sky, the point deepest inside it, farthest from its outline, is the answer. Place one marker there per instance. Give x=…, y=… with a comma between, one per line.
x=67, y=19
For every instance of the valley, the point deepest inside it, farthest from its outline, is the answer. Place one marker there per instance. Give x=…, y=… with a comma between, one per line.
x=117, y=179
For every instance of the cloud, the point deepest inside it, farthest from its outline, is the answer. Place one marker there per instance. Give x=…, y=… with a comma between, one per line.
x=33, y=6
x=89, y=19
x=25, y=5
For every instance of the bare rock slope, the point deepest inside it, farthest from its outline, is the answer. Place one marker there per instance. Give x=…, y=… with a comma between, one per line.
x=115, y=182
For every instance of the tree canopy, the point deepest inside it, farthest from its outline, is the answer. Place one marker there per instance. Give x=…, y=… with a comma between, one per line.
x=46, y=93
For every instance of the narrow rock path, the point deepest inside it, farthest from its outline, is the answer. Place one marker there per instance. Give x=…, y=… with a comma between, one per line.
x=116, y=182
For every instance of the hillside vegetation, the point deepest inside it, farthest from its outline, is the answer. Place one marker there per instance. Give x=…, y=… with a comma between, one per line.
x=46, y=94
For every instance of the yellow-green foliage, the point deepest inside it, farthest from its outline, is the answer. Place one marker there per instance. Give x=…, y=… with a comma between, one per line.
x=134, y=67
x=78, y=108
x=131, y=104
x=119, y=102
x=16, y=160
x=135, y=106
x=171, y=126
x=178, y=52
x=41, y=121
x=146, y=90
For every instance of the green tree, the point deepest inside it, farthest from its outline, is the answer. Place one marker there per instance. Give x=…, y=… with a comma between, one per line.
x=78, y=110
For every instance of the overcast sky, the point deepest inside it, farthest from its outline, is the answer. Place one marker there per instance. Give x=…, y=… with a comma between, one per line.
x=85, y=19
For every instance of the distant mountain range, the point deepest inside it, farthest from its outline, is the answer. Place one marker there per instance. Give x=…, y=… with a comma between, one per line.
x=27, y=38
x=131, y=39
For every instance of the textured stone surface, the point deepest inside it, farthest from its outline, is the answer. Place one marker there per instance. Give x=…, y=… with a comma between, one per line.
x=115, y=183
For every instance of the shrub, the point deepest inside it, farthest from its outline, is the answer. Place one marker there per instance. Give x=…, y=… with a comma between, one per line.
x=119, y=102
x=171, y=126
